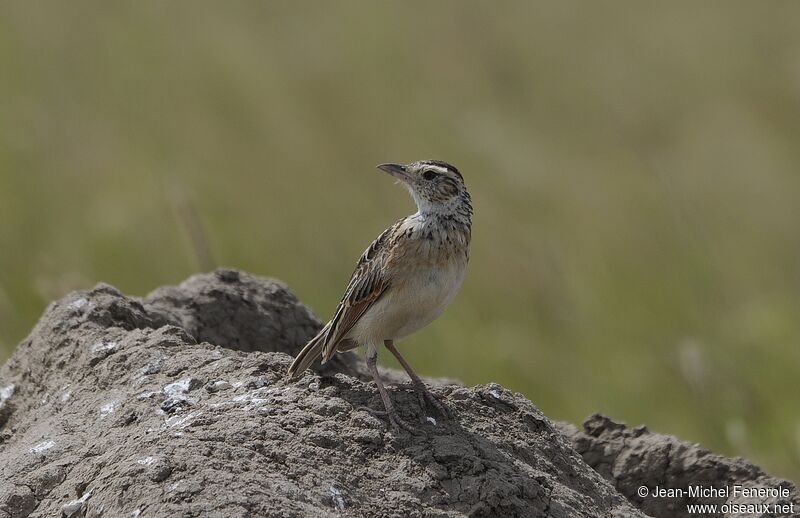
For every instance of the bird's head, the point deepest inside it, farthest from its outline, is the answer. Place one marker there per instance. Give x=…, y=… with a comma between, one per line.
x=437, y=187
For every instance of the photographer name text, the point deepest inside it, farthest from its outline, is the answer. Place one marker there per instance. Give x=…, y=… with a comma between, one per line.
x=734, y=491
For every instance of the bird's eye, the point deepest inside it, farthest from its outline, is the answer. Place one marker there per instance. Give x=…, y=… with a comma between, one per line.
x=429, y=175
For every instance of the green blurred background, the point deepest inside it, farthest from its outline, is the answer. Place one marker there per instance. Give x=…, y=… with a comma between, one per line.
x=634, y=167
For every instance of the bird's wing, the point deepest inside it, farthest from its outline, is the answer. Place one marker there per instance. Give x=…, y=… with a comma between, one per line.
x=368, y=283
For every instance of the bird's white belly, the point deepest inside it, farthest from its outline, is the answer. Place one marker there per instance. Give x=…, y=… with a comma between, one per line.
x=423, y=296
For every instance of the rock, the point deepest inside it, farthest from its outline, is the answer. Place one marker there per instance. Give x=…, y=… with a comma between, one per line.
x=157, y=468
x=6, y=406
x=252, y=443
x=181, y=386
x=218, y=385
x=16, y=501
x=77, y=507
x=175, y=403
x=631, y=458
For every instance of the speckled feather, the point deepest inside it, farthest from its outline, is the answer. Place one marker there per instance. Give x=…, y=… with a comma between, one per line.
x=408, y=275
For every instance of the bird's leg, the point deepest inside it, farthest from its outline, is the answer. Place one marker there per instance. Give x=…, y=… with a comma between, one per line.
x=394, y=419
x=419, y=386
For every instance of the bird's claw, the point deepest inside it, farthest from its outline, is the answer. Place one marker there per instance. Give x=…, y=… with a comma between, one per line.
x=426, y=395
x=394, y=420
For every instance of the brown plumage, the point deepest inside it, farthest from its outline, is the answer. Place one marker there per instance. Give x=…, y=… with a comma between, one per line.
x=405, y=279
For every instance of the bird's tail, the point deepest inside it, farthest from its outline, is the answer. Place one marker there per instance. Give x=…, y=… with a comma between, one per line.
x=310, y=352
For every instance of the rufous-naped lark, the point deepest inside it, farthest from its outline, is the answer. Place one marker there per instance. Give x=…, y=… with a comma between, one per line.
x=405, y=279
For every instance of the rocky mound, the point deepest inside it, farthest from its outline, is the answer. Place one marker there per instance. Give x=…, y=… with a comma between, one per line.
x=632, y=458
x=177, y=405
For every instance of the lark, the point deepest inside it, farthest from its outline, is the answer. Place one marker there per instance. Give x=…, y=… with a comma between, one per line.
x=404, y=280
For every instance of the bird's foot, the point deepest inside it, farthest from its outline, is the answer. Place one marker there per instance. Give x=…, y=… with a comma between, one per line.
x=426, y=395
x=394, y=420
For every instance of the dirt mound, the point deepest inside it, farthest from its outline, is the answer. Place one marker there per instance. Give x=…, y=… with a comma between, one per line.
x=177, y=405
x=634, y=457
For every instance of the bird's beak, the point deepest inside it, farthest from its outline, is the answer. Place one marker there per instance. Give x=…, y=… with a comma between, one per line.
x=396, y=170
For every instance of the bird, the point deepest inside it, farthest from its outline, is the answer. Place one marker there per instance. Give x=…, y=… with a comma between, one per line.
x=404, y=280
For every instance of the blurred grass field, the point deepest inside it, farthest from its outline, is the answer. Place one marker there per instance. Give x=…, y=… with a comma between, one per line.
x=635, y=170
